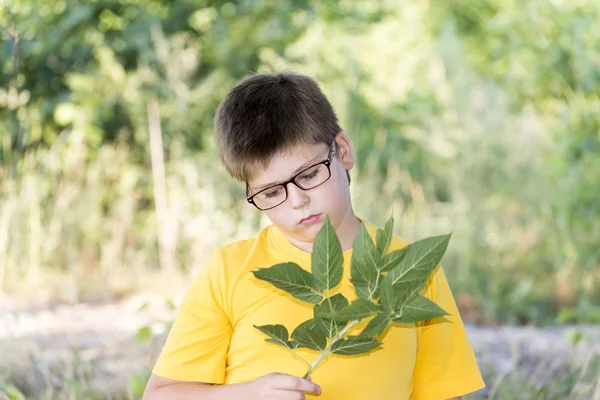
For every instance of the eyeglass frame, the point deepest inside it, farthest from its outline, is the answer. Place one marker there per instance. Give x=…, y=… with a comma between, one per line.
x=326, y=162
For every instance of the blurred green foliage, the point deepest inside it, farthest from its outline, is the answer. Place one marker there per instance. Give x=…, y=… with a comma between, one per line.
x=9, y=392
x=477, y=117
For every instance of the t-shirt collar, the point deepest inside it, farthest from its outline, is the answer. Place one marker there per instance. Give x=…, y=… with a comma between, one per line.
x=285, y=249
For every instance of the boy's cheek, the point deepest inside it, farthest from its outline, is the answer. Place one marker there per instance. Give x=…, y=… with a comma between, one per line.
x=280, y=216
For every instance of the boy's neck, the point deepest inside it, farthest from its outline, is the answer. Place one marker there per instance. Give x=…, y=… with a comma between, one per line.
x=347, y=231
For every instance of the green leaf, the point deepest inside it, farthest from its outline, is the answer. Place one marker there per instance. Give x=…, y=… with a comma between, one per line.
x=392, y=259
x=287, y=345
x=386, y=296
x=309, y=336
x=144, y=334
x=355, y=345
x=384, y=236
x=419, y=262
x=358, y=309
x=420, y=309
x=394, y=297
x=363, y=290
x=403, y=294
x=330, y=306
x=367, y=250
x=10, y=392
x=327, y=258
x=363, y=265
x=278, y=334
x=377, y=325
x=293, y=279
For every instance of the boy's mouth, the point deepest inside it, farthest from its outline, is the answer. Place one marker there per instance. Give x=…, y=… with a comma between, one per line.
x=311, y=219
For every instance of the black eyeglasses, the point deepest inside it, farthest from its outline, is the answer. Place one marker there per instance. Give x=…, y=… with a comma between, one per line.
x=307, y=179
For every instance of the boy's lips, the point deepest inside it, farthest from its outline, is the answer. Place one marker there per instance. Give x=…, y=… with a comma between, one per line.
x=310, y=219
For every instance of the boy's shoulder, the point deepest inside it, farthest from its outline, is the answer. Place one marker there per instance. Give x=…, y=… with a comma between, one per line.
x=242, y=248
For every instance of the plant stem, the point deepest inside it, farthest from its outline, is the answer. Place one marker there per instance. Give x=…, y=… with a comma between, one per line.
x=328, y=349
x=300, y=358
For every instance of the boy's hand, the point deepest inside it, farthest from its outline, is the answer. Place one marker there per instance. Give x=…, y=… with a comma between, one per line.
x=278, y=386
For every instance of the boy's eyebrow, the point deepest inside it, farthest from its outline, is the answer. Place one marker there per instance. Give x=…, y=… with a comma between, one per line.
x=300, y=168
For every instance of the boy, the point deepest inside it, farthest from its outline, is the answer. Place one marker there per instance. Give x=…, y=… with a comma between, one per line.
x=279, y=134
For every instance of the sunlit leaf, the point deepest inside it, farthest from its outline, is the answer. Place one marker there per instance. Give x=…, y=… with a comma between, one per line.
x=419, y=262
x=293, y=279
x=363, y=265
x=377, y=325
x=384, y=236
x=309, y=336
x=420, y=309
x=327, y=258
x=330, y=306
x=386, y=296
x=358, y=309
x=369, y=253
x=363, y=290
x=392, y=259
x=355, y=345
x=403, y=293
x=278, y=334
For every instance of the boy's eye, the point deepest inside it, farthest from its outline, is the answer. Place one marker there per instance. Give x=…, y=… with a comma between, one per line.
x=272, y=193
x=310, y=175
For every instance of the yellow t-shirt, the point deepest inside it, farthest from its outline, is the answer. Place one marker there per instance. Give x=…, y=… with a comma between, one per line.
x=213, y=339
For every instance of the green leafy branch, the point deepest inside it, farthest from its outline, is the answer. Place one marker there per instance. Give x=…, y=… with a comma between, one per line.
x=387, y=286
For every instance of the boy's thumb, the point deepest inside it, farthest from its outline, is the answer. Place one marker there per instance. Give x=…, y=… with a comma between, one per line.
x=309, y=378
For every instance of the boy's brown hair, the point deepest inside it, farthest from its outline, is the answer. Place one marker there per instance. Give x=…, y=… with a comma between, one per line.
x=268, y=114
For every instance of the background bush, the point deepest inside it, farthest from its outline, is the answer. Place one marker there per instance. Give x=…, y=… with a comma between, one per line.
x=478, y=117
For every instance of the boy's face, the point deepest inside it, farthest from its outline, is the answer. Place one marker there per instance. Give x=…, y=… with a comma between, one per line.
x=330, y=198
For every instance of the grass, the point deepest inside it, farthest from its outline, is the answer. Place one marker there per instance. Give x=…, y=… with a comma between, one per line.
x=78, y=378
x=576, y=381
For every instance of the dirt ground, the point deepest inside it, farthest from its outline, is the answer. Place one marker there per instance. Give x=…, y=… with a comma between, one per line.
x=100, y=346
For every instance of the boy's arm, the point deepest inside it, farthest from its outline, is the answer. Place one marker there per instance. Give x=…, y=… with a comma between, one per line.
x=270, y=385
x=163, y=388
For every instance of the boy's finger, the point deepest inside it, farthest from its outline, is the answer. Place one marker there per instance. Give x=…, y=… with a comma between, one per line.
x=288, y=382
x=309, y=378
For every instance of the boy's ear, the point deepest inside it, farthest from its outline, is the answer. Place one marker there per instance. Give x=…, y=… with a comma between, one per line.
x=345, y=152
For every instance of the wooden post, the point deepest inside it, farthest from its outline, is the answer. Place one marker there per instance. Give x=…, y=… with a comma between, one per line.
x=164, y=224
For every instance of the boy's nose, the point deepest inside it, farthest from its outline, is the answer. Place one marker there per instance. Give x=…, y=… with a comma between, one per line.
x=296, y=196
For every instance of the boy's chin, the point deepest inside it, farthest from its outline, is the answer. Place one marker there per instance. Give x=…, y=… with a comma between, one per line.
x=310, y=231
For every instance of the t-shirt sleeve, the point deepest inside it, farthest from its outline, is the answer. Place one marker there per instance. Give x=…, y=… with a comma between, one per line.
x=196, y=347
x=445, y=366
